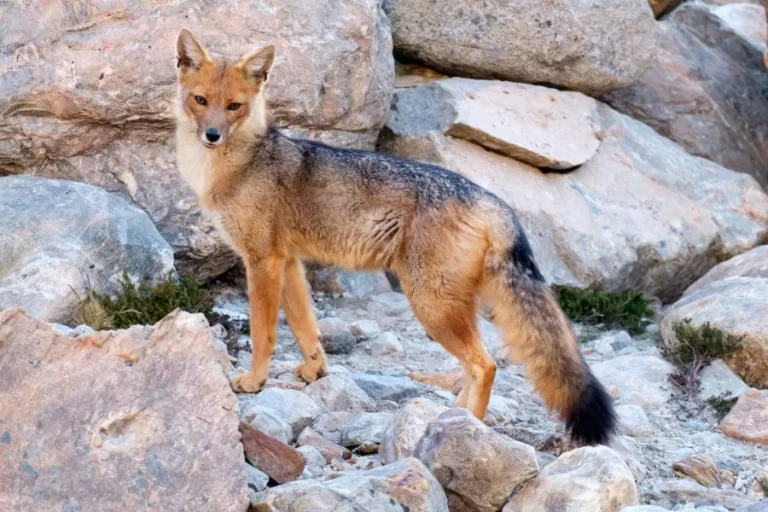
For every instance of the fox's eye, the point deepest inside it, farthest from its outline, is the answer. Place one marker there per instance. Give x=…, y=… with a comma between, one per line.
x=200, y=100
x=234, y=106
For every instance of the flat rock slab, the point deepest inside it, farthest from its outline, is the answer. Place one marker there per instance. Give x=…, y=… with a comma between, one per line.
x=405, y=485
x=142, y=419
x=535, y=125
x=748, y=420
x=275, y=458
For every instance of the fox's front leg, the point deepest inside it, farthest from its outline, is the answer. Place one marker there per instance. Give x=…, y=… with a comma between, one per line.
x=297, y=305
x=265, y=283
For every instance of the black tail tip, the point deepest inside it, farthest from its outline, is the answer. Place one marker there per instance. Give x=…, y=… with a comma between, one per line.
x=593, y=420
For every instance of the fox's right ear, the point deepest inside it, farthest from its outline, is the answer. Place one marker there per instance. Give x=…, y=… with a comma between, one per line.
x=190, y=55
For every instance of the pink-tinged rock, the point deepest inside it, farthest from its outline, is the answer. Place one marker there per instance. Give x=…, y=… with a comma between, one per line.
x=748, y=420
x=140, y=419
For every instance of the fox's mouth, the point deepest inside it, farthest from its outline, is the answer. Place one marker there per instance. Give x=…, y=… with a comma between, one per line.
x=211, y=145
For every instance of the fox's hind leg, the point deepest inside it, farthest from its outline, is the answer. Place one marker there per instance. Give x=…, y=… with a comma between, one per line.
x=297, y=305
x=265, y=285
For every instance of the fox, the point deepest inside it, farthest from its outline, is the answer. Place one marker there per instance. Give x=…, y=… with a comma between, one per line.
x=454, y=246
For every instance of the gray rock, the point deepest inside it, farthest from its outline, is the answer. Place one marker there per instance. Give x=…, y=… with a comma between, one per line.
x=294, y=407
x=747, y=20
x=335, y=336
x=385, y=344
x=687, y=491
x=315, y=460
x=692, y=212
x=753, y=263
x=644, y=508
x=704, y=91
x=364, y=329
x=389, y=304
x=633, y=420
x=60, y=238
x=338, y=393
x=330, y=425
x=405, y=429
x=501, y=410
x=405, y=485
x=257, y=479
x=336, y=282
x=382, y=387
x=594, y=48
x=761, y=506
x=109, y=126
x=636, y=379
x=719, y=381
x=537, y=126
x=266, y=420
x=590, y=479
x=366, y=427
x=479, y=466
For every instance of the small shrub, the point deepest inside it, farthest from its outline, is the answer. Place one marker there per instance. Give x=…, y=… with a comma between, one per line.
x=722, y=406
x=91, y=313
x=696, y=347
x=145, y=304
x=627, y=311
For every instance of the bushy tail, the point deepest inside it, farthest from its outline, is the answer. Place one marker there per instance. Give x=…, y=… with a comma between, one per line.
x=538, y=332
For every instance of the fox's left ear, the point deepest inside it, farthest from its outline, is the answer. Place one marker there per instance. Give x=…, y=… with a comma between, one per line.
x=257, y=65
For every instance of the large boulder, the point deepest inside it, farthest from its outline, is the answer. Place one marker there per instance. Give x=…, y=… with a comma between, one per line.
x=639, y=213
x=593, y=46
x=706, y=91
x=58, y=239
x=590, y=479
x=405, y=485
x=405, y=429
x=478, y=467
x=733, y=297
x=748, y=420
x=141, y=419
x=85, y=93
x=738, y=306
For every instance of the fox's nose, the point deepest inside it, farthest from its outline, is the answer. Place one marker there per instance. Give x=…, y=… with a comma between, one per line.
x=212, y=135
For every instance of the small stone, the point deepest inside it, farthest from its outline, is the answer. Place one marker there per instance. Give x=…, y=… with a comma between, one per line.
x=335, y=336
x=406, y=427
x=285, y=384
x=699, y=467
x=633, y=420
x=405, y=485
x=330, y=425
x=257, y=479
x=337, y=393
x=266, y=420
x=366, y=427
x=382, y=387
x=644, y=508
x=718, y=381
x=326, y=448
x=278, y=460
x=688, y=491
x=760, y=506
x=314, y=461
x=364, y=329
x=296, y=408
x=589, y=479
x=367, y=448
x=481, y=467
x=501, y=410
x=385, y=344
x=748, y=420
x=337, y=282
x=389, y=304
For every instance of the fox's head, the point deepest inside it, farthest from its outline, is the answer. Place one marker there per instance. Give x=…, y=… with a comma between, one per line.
x=217, y=96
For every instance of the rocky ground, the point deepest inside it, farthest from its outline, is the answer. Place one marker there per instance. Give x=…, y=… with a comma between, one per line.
x=394, y=362
x=629, y=135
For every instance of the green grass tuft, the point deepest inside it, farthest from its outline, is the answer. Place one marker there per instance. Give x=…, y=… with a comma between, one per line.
x=145, y=304
x=695, y=348
x=627, y=311
x=722, y=406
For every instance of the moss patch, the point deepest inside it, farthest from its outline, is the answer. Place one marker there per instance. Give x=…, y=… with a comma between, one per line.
x=144, y=304
x=627, y=311
x=695, y=348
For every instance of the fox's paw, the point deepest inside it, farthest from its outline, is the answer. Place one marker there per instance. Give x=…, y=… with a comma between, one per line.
x=310, y=371
x=247, y=383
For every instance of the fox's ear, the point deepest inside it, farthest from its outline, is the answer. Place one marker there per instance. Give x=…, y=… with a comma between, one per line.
x=257, y=65
x=189, y=53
